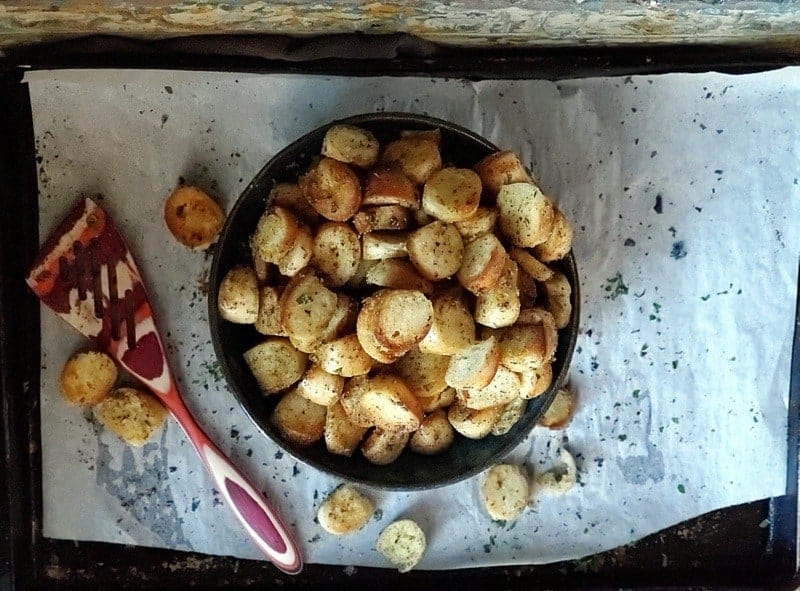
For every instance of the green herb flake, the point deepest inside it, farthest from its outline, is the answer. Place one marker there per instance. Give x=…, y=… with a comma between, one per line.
x=676, y=420
x=615, y=286
x=636, y=393
x=681, y=489
x=705, y=297
x=674, y=364
x=622, y=437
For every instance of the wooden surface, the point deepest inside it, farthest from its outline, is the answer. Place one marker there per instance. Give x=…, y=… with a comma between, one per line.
x=468, y=22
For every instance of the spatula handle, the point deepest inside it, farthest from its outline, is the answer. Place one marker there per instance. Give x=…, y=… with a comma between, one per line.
x=253, y=510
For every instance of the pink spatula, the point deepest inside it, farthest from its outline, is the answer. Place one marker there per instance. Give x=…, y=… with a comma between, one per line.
x=86, y=274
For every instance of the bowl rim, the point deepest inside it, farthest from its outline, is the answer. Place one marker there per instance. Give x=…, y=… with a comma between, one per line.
x=214, y=320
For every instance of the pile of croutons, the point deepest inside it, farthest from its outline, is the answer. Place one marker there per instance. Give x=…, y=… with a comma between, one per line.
x=403, y=301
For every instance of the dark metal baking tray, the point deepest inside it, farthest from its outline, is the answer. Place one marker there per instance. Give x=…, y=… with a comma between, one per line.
x=747, y=546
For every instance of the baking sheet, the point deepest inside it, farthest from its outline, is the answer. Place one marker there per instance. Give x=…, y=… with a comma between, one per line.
x=684, y=193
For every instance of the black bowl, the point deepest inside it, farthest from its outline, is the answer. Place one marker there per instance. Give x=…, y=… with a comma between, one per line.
x=411, y=471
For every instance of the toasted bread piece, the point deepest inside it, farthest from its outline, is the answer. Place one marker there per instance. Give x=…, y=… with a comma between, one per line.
x=298, y=255
x=346, y=510
x=343, y=320
x=359, y=279
x=276, y=364
x=561, y=478
x=436, y=250
x=434, y=435
x=472, y=423
x=526, y=214
x=501, y=168
x=193, y=217
x=452, y=194
x=384, y=245
x=523, y=347
x=526, y=286
x=87, y=378
x=388, y=403
x=381, y=217
x=298, y=419
x=367, y=331
x=482, y=264
x=383, y=447
x=559, y=243
x=319, y=386
x=369, y=341
x=503, y=388
x=133, y=415
x=479, y=223
x=332, y=189
x=275, y=234
x=434, y=135
x=537, y=382
x=237, y=300
x=403, y=544
x=441, y=400
x=351, y=397
x=545, y=319
x=505, y=491
x=268, y=321
x=453, y=327
x=558, y=292
x=398, y=274
x=386, y=186
x=512, y=413
x=351, y=144
x=262, y=269
x=307, y=308
x=421, y=218
x=423, y=372
x=474, y=366
x=290, y=196
x=560, y=412
x=416, y=157
x=343, y=357
x=342, y=436
x=403, y=318
x=499, y=306
x=530, y=264
x=337, y=252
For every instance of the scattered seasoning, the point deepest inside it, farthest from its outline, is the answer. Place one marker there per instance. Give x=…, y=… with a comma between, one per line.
x=678, y=250
x=643, y=351
x=213, y=369
x=674, y=364
x=636, y=393
x=630, y=242
x=654, y=315
x=615, y=286
x=622, y=437
x=658, y=207
x=681, y=489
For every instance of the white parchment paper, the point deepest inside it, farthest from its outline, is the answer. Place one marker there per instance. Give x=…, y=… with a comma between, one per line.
x=684, y=193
